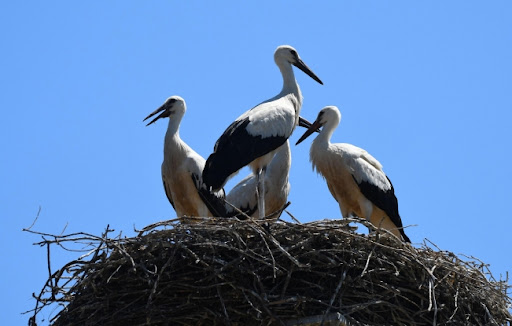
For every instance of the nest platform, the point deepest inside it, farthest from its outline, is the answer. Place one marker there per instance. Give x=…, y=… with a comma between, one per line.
x=231, y=272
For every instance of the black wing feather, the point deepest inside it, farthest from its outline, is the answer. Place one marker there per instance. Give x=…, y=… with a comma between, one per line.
x=235, y=149
x=168, y=195
x=385, y=200
x=247, y=211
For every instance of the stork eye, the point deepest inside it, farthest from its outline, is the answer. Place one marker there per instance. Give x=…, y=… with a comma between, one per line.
x=294, y=53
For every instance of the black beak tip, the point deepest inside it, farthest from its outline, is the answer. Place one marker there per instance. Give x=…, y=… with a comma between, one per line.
x=152, y=121
x=318, y=80
x=300, y=140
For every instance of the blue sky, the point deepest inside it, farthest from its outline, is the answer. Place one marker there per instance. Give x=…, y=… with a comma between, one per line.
x=424, y=87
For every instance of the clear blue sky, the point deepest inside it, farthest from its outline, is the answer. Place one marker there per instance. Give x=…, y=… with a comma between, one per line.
x=424, y=87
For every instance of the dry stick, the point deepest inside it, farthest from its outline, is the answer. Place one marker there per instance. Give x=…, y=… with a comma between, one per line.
x=50, y=279
x=114, y=273
x=60, y=238
x=262, y=235
x=293, y=217
x=153, y=290
x=37, y=308
x=251, y=254
x=155, y=225
x=249, y=301
x=338, y=287
x=278, y=245
x=97, y=250
x=167, y=263
x=196, y=257
x=491, y=319
x=367, y=263
x=50, y=282
x=287, y=281
x=432, y=299
x=34, y=222
x=223, y=305
x=480, y=268
x=262, y=301
x=456, y=304
x=119, y=247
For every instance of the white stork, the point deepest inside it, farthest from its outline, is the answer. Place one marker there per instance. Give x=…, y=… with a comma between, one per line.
x=253, y=138
x=354, y=177
x=182, y=167
x=243, y=196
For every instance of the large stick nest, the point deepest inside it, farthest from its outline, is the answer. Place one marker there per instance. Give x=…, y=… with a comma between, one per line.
x=230, y=272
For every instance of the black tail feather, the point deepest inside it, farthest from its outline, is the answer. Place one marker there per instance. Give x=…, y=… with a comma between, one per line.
x=214, y=202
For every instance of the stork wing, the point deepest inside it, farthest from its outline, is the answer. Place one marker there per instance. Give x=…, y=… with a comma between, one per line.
x=272, y=119
x=243, y=211
x=383, y=199
x=243, y=141
x=168, y=194
x=243, y=197
x=371, y=179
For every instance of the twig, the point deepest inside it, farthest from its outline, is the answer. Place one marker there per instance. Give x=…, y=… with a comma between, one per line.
x=367, y=263
x=34, y=222
x=338, y=287
x=293, y=217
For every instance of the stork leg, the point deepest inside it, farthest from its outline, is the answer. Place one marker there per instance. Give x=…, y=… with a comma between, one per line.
x=260, y=190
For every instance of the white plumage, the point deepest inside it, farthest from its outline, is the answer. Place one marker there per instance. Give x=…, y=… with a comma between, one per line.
x=274, y=118
x=354, y=177
x=182, y=166
x=253, y=138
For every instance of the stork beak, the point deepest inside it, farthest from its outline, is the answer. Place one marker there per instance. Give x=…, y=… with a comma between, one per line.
x=302, y=66
x=164, y=114
x=314, y=127
x=306, y=124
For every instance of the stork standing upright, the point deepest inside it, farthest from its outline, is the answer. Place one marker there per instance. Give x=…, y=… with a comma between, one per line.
x=253, y=138
x=243, y=196
x=354, y=177
x=182, y=167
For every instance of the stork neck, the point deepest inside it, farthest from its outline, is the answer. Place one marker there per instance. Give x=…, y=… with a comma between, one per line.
x=173, y=128
x=324, y=138
x=172, y=136
x=289, y=83
x=290, y=89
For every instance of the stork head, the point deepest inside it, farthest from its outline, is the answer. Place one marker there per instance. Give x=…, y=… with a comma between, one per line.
x=287, y=54
x=172, y=106
x=328, y=118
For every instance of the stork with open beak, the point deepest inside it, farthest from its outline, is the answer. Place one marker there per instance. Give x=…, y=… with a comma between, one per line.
x=182, y=168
